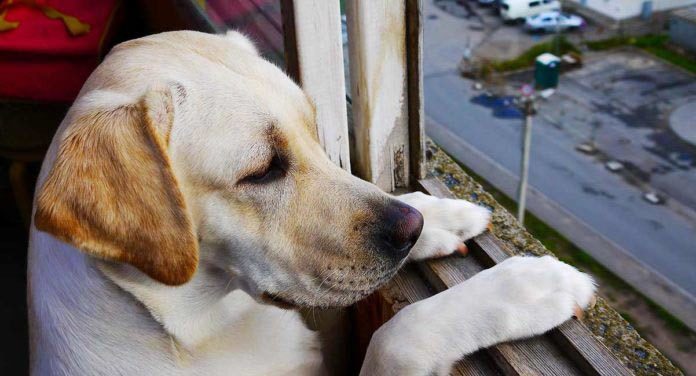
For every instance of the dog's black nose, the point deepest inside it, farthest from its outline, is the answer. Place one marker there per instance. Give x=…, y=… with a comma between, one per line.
x=401, y=227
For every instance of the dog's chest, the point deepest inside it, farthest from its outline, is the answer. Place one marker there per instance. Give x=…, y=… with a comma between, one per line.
x=262, y=340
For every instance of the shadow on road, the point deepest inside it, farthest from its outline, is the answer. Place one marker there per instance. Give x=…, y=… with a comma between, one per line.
x=503, y=107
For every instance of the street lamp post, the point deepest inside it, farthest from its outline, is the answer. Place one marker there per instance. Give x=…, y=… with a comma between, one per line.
x=526, y=103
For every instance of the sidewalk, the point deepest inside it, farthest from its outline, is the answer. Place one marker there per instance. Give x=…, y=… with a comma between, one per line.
x=682, y=123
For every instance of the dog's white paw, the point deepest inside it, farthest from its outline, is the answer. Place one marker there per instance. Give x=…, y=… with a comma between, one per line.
x=519, y=298
x=447, y=223
x=534, y=294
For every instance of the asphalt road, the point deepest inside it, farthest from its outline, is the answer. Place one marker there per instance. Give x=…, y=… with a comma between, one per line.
x=663, y=238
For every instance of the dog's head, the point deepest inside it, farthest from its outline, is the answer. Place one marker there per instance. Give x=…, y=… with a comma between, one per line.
x=216, y=164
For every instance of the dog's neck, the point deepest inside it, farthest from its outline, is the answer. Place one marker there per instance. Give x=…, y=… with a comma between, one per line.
x=191, y=313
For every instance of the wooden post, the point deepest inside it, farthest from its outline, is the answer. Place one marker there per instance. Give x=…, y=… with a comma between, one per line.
x=386, y=93
x=314, y=58
x=416, y=105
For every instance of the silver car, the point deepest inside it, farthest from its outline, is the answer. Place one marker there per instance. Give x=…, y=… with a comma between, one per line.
x=553, y=21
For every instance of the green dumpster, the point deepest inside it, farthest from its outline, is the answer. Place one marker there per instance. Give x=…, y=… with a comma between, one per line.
x=546, y=71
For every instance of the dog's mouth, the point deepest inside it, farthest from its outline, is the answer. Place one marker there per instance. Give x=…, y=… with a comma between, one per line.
x=277, y=301
x=331, y=297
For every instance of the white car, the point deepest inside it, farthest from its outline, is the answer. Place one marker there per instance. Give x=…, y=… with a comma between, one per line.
x=344, y=29
x=514, y=10
x=614, y=166
x=653, y=198
x=552, y=21
x=586, y=148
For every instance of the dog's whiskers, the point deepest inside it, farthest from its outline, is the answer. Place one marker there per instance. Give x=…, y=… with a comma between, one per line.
x=229, y=282
x=318, y=299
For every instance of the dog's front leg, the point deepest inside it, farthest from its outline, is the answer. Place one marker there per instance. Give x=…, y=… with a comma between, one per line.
x=447, y=223
x=521, y=297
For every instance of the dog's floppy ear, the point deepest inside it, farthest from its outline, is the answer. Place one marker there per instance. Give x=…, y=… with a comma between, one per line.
x=112, y=192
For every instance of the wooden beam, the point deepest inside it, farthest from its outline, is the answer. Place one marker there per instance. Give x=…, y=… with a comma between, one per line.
x=377, y=34
x=314, y=57
x=414, y=69
x=292, y=63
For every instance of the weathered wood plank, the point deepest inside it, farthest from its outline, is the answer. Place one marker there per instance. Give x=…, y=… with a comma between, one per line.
x=435, y=188
x=378, y=74
x=573, y=338
x=314, y=57
x=476, y=364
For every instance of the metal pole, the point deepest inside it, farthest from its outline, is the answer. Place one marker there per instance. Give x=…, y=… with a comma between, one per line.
x=524, y=169
x=557, y=39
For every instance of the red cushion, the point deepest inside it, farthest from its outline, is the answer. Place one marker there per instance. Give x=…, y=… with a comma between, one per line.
x=40, y=60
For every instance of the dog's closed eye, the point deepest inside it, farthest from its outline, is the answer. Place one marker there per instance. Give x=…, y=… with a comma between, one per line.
x=274, y=170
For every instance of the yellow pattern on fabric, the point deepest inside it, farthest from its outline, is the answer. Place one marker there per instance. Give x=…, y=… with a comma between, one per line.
x=75, y=26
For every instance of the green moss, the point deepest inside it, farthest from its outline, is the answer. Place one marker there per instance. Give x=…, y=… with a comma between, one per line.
x=557, y=45
x=657, y=45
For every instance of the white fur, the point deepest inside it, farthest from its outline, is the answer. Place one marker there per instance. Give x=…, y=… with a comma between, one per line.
x=94, y=317
x=447, y=224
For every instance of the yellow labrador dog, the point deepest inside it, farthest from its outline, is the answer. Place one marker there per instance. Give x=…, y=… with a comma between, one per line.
x=185, y=189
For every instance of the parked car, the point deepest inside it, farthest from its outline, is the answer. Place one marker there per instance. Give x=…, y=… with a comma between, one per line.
x=552, y=21
x=514, y=10
x=653, y=198
x=587, y=148
x=614, y=166
x=344, y=29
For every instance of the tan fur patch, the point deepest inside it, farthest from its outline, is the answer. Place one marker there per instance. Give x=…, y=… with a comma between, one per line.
x=112, y=193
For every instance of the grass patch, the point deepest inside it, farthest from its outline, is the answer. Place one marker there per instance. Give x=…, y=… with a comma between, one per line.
x=657, y=45
x=558, y=45
x=571, y=254
x=607, y=44
x=619, y=41
x=672, y=322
